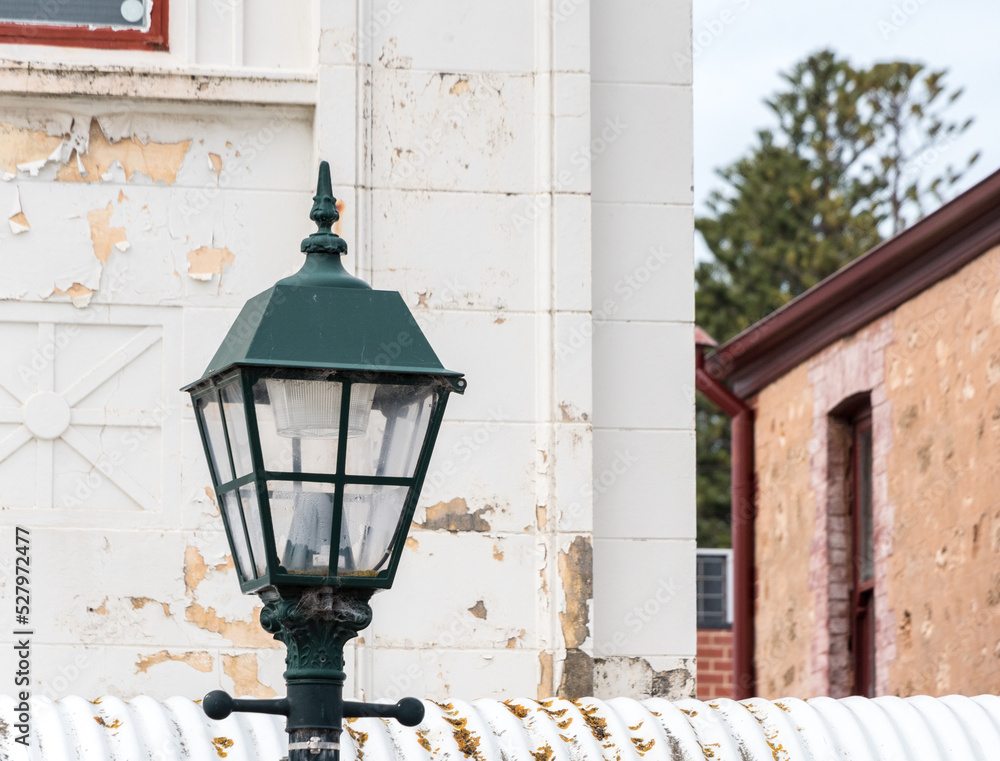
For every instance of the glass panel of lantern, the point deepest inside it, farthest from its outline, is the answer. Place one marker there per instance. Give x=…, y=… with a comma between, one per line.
x=216, y=420
x=298, y=421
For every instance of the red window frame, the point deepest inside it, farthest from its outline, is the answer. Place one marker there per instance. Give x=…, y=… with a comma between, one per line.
x=154, y=38
x=862, y=584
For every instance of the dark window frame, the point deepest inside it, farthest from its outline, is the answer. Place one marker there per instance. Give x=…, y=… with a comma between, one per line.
x=81, y=36
x=862, y=573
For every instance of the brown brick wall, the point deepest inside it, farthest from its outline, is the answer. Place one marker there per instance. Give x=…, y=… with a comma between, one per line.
x=932, y=368
x=784, y=619
x=943, y=574
x=715, y=664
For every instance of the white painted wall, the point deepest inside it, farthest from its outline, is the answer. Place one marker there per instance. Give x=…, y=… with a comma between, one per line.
x=643, y=308
x=510, y=168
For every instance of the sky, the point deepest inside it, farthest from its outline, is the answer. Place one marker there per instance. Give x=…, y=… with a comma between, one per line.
x=738, y=65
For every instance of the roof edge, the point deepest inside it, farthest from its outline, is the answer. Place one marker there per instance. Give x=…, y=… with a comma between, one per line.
x=863, y=290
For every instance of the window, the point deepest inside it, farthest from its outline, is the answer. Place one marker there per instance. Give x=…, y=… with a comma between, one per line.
x=134, y=24
x=863, y=558
x=714, y=589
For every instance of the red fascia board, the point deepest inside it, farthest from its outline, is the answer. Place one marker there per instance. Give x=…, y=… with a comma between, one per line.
x=875, y=283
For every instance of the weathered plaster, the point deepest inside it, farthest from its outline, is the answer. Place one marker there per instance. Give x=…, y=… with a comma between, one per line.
x=199, y=661
x=94, y=161
x=453, y=516
x=546, y=688
x=205, y=262
x=80, y=295
x=243, y=670
x=18, y=221
x=210, y=189
x=23, y=146
x=637, y=678
x=103, y=235
x=216, y=162
x=84, y=153
x=241, y=633
x=576, y=574
x=576, y=579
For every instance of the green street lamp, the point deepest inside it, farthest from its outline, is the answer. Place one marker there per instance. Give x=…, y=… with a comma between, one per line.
x=318, y=415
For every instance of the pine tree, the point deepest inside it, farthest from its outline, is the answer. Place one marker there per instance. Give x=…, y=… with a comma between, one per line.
x=856, y=155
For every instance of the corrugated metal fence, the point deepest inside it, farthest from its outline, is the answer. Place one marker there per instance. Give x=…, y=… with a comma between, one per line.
x=822, y=729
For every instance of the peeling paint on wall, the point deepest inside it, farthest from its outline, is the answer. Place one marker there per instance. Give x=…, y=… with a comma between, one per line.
x=636, y=677
x=215, y=161
x=141, y=602
x=576, y=574
x=576, y=571
x=86, y=152
x=545, y=675
x=243, y=669
x=199, y=661
x=22, y=146
x=94, y=161
x=239, y=633
x=577, y=680
x=541, y=517
x=570, y=414
x=454, y=516
x=102, y=609
x=205, y=262
x=103, y=235
x=79, y=294
x=196, y=569
x=18, y=222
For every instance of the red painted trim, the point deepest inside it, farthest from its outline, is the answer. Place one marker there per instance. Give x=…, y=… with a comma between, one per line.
x=743, y=511
x=862, y=592
x=718, y=394
x=154, y=38
x=877, y=282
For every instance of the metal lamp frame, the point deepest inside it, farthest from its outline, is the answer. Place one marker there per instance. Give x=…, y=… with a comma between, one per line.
x=260, y=475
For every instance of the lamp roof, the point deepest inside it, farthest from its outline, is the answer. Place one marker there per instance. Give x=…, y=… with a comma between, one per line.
x=323, y=317
x=328, y=328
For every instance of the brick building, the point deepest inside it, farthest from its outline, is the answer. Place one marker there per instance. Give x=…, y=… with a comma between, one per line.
x=873, y=452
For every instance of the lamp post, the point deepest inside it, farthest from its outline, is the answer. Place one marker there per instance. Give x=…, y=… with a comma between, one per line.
x=318, y=415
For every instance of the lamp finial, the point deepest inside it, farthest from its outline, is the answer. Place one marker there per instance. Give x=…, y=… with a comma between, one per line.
x=324, y=213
